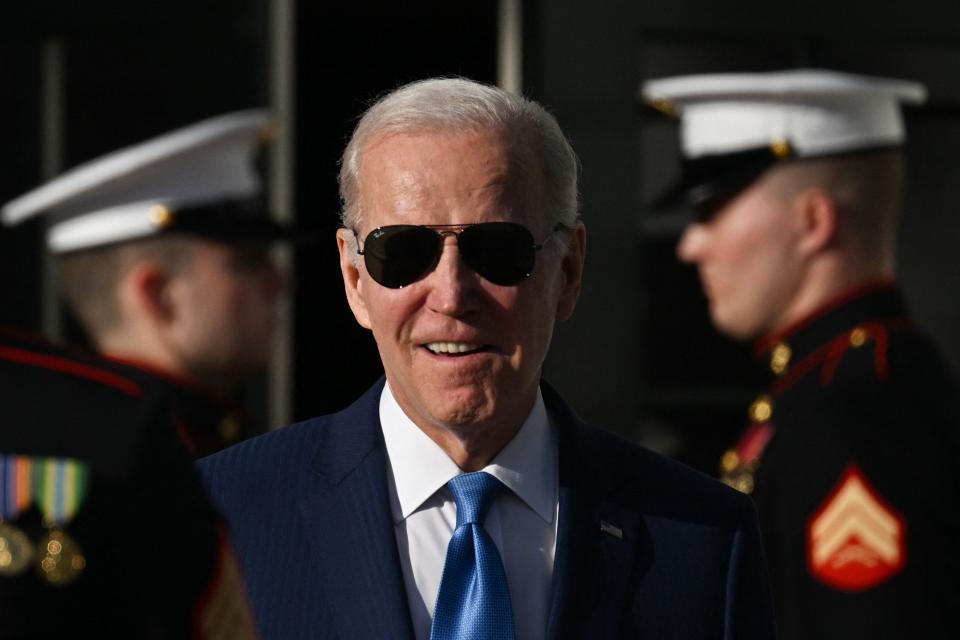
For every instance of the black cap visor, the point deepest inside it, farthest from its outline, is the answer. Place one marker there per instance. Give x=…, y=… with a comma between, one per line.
x=717, y=178
x=234, y=222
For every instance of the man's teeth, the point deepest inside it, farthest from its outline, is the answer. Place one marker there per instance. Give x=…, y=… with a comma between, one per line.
x=452, y=347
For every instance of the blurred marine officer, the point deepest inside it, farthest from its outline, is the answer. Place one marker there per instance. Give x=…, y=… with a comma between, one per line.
x=105, y=531
x=163, y=257
x=851, y=456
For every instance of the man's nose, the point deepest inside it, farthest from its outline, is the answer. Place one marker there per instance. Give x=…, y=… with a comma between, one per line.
x=691, y=243
x=452, y=283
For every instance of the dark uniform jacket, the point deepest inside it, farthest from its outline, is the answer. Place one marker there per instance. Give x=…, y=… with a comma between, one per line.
x=106, y=531
x=206, y=420
x=646, y=548
x=858, y=489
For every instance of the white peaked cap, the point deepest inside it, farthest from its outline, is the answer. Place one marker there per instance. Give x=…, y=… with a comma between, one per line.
x=816, y=112
x=734, y=126
x=136, y=192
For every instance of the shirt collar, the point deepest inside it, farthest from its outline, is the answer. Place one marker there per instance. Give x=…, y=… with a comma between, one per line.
x=420, y=468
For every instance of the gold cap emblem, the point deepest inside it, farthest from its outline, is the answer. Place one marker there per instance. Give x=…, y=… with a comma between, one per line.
x=267, y=135
x=663, y=106
x=781, y=148
x=160, y=216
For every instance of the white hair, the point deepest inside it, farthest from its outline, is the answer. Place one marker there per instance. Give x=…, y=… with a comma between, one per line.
x=458, y=104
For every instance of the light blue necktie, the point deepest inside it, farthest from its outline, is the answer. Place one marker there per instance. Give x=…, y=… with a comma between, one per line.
x=474, y=599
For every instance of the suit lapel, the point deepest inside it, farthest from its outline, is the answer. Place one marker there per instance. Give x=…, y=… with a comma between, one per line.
x=599, y=542
x=347, y=517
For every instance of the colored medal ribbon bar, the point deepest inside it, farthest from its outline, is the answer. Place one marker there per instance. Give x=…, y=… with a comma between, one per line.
x=61, y=489
x=16, y=550
x=16, y=486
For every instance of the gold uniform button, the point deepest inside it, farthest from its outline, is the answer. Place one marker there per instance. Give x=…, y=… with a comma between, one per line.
x=780, y=358
x=744, y=483
x=160, y=216
x=858, y=337
x=229, y=429
x=729, y=461
x=761, y=410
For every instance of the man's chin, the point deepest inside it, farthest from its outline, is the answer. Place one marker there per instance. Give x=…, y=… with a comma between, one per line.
x=464, y=412
x=461, y=405
x=731, y=327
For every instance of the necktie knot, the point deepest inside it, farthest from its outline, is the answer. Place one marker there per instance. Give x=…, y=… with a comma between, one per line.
x=473, y=602
x=474, y=493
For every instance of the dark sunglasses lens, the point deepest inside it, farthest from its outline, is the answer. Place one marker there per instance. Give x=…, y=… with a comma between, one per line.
x=399, y=255
x=501, y=252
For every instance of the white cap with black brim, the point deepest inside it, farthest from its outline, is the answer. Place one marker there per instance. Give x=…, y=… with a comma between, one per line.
x=199, y=179
x=736, y=125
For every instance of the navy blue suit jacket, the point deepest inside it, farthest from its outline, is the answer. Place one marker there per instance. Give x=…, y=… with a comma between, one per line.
x=309, y=512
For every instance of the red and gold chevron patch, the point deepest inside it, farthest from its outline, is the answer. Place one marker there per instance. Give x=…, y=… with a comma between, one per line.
x=856, y=540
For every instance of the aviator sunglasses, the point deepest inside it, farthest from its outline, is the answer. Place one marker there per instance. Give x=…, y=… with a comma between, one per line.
x=501, y=252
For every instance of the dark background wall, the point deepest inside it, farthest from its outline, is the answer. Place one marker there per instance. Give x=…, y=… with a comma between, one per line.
x=639, y=356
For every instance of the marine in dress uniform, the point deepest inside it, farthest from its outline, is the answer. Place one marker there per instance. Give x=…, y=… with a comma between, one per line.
x=105, y=531
x=857, y=487
x=851, y=452
x=162, y=252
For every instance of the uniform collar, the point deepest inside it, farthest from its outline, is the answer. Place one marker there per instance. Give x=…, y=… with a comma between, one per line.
x=177, y=381
x=527, y=465
x=872, y=302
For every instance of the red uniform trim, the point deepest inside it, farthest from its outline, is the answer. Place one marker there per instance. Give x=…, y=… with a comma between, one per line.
x=830, y=354
x=73, y=368
x=767, y=342
x=184, y=434
x=801, y=369
x=753, y=442
x=179, y=380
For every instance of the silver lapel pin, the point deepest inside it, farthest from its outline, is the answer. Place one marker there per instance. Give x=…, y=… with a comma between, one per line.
x=612, y=530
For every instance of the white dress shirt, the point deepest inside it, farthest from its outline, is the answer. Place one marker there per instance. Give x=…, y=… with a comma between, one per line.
x=522, y=520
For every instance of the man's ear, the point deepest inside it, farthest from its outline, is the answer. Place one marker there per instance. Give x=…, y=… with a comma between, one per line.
x=571, y=269
x=347, y=245
x=147, y=292
x=818, y=221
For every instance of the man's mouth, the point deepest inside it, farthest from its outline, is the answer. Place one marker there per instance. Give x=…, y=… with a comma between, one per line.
x=454, y=348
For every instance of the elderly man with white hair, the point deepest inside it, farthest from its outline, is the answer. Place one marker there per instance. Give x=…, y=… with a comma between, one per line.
x=460, y=497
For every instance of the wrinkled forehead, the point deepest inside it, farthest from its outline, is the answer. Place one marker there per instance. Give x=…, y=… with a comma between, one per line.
x=489, y=168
